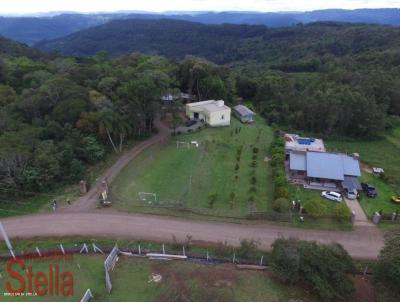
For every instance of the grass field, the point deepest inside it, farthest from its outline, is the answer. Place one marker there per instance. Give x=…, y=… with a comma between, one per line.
x=189, y=176
x=181, y=281
x=384, y=153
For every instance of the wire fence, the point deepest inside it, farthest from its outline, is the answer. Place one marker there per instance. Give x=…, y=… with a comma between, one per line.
x=243, y=213
x=218, y=255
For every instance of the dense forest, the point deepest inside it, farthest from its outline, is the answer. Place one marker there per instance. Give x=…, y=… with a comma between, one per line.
x=60, y=114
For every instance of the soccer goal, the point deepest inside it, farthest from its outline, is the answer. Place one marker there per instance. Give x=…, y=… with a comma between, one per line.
x=182, y=144
x=147, y=197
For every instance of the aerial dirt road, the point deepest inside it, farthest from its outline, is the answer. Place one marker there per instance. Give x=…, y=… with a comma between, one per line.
x=83, y=219
x=88, y=202
x=362, y=243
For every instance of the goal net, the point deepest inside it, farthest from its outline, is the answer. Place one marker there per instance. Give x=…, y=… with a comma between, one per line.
x=148, y=197
x=181, y=144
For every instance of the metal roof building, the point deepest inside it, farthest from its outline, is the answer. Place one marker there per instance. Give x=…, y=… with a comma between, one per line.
x=244, y=114
x=325, y=165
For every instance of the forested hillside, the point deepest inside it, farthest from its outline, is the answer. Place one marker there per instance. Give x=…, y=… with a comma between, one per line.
x=227, y=43
x=32, y=29
x=326, y=78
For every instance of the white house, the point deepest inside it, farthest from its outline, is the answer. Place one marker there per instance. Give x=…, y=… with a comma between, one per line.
x=213, y=113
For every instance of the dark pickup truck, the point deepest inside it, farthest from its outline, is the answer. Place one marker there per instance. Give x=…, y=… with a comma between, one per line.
x=369, y=190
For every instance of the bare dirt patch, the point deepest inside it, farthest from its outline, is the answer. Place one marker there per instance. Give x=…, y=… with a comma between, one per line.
x=364, y=290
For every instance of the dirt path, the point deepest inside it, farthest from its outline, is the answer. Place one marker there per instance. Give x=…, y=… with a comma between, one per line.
x=88, y=202
x=364, y=242
x=360, y=218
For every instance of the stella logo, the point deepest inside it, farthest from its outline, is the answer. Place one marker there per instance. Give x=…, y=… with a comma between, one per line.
x=53, y=282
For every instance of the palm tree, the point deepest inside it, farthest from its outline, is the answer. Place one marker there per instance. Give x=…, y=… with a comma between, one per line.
x=107, y=120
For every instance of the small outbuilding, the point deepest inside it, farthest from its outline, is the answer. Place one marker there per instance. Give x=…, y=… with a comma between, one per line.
x=244, y=114
x=213, y=113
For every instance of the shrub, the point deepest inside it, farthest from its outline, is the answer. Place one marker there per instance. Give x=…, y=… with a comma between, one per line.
x=248, y=249
x=253, y=164
x=281, y=192
x=281, y=205
x=323, y=268
x=223, y=249
x=254, y=157
x=255, y=150
x=237, y=167
x=232, y=196
x=280, y=181
x=277, y=159
x=252, y=190
x=316, y=207
x=212, y=198
x=341, y=211
x=253, y=180
x=237, y=158
x=387, y=270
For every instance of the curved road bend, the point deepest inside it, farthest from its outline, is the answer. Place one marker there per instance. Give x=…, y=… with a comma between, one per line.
x=363, y=243
x=88, y=201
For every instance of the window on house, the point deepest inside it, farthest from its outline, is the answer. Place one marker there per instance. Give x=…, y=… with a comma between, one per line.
x=222, y=117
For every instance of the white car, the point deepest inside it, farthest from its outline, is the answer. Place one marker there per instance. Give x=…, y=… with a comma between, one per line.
x=332, y=196
x=352, y=194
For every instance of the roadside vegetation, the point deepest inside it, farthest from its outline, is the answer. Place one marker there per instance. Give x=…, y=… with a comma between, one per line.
x=387, y=270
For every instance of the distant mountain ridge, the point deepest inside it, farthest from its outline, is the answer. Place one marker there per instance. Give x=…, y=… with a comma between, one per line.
x=30, y=30
x=227, y=43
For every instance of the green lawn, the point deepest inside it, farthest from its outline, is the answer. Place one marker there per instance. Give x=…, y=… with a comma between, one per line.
x=188, y=176
x=382, y=201
x=297, y=192
x=181, y=281
x=385, y=153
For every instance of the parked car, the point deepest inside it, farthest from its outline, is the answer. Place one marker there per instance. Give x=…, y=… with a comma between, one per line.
x=190, y=123
x=352, y=194
x=369, y=190
x=334, y=196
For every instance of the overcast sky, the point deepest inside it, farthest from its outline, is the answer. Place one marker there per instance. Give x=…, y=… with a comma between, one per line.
x=34, y=6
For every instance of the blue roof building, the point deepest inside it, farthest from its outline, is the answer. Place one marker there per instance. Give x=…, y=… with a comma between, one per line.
x=326, y=167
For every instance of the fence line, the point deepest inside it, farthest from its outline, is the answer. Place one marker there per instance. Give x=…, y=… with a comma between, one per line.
x=109, y=265
x=230, y=213
x=178, y=251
